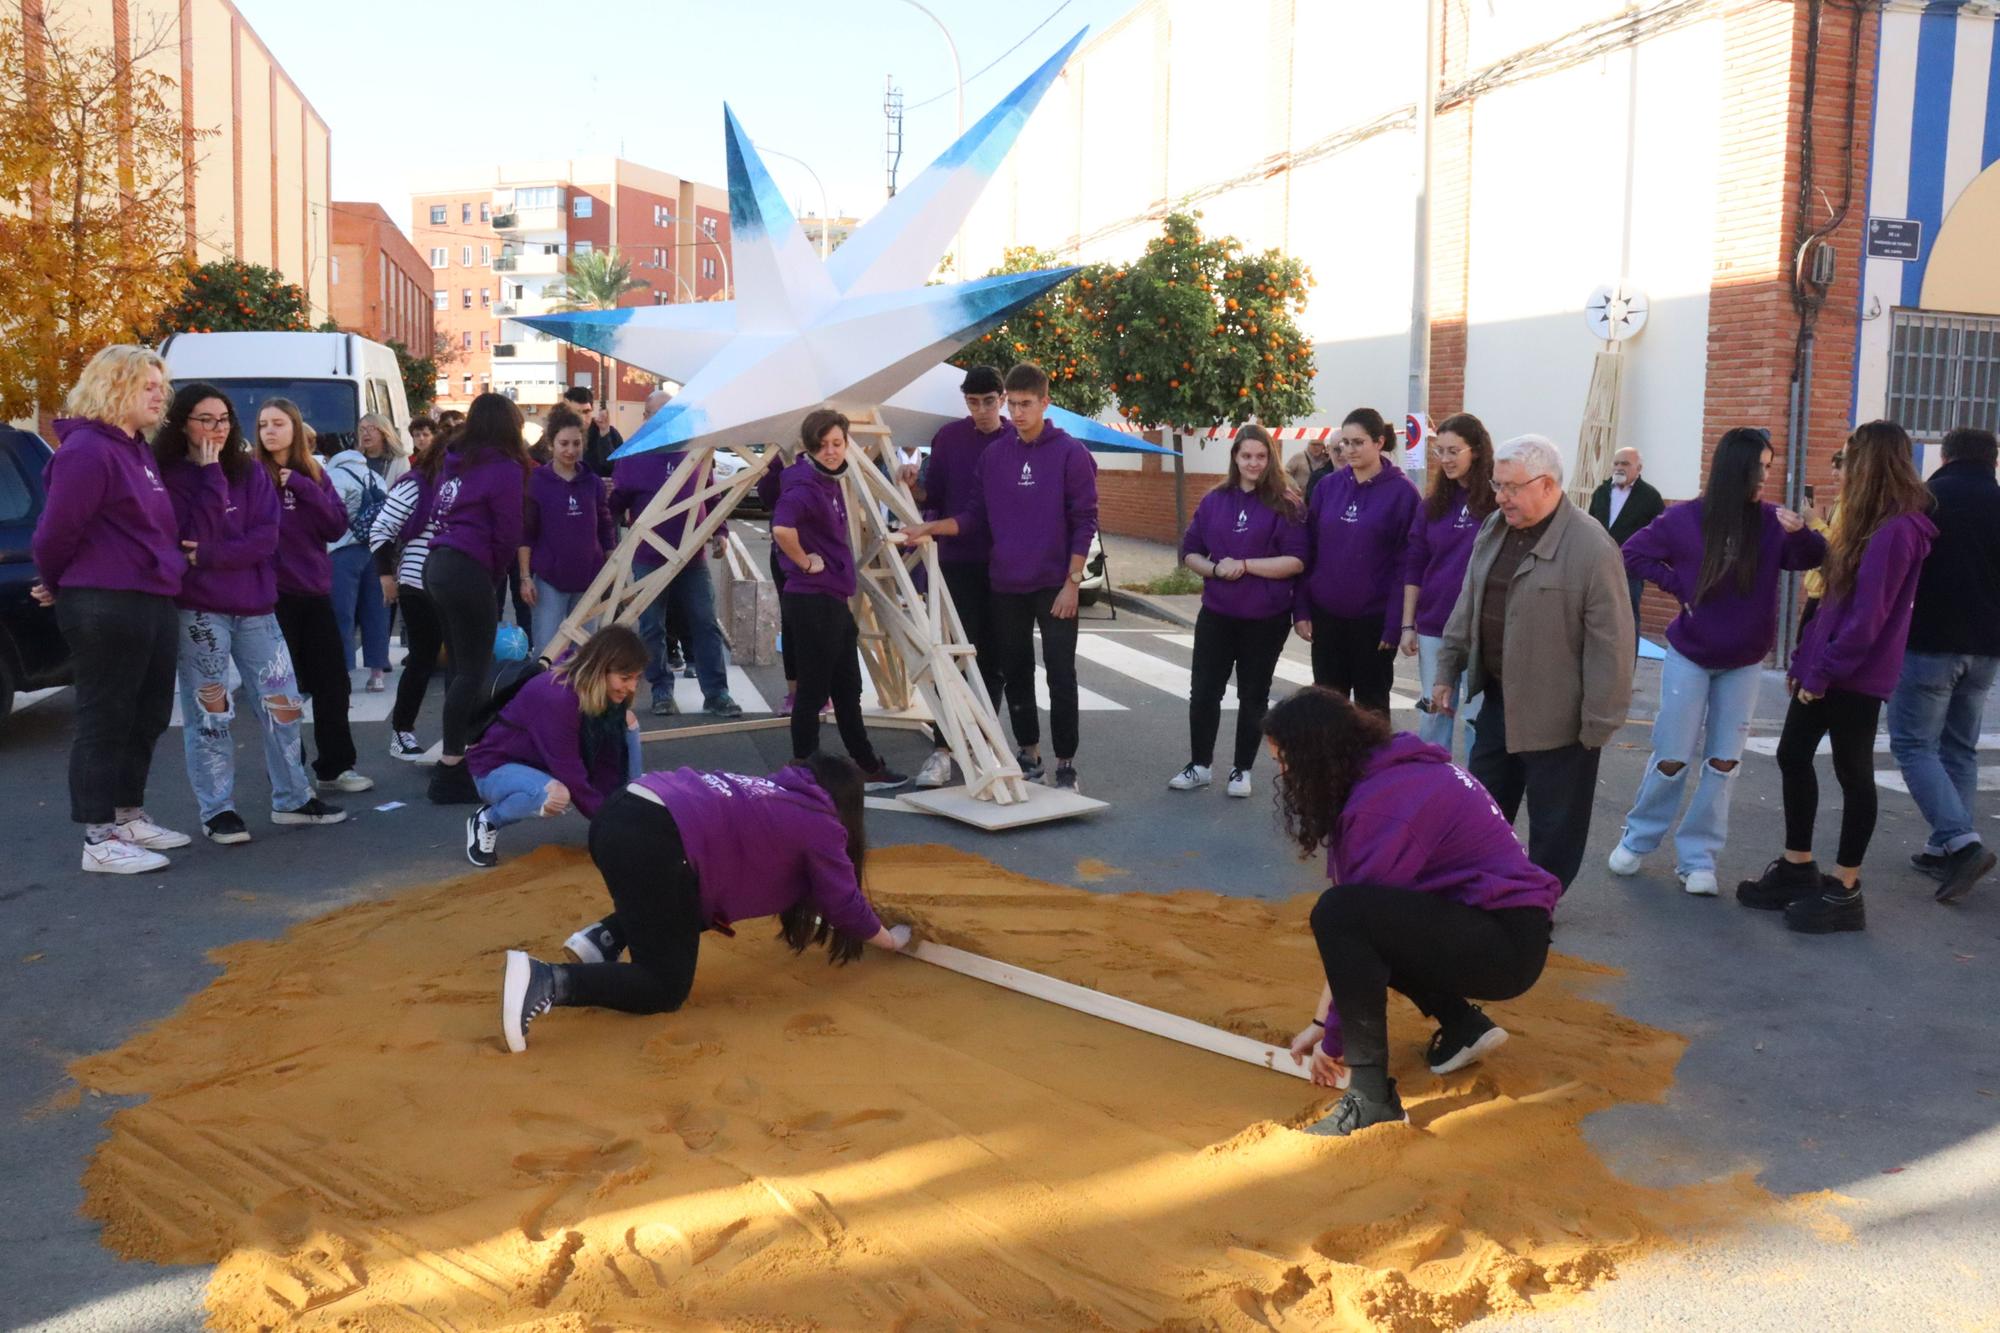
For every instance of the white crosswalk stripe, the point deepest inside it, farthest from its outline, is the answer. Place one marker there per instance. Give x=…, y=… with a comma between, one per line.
x=1087, y=701
x=1289, y=669
x=1988, y=740
x=687, y=693
x=1989, y=780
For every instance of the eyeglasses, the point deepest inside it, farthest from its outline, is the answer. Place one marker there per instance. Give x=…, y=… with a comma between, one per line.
x=1507, y=490
x=208, y=422
x=1451, y=453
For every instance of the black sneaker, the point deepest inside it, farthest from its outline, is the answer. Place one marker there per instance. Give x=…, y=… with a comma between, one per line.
x=314, y=811
x=227, y=828
x=1065, y=778
x=1031, y=765
x=1358, y=1111
x=1834, y=908
x=675, y=664
x=1929, y=863
x=451, y=784
x=527, y=991
x=403, y=745
x=883, y=778
x=595, y=943
x=1962, y=869
x=1783, y=884
x=1464, y=1041
x=663, y=703
x=722, y=706
x=482, y=840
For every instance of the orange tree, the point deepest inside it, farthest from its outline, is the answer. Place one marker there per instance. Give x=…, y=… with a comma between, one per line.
x=230, y=296
x=1197, y=334
x=1060, y=332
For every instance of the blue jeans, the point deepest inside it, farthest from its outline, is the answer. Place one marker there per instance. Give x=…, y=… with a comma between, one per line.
x=1437, y=728
x=208, y=643
x=357, y=595
x=552, y=607
x=514, y=792
x=1690, y=696
x=691, y=598
x=1934, y=734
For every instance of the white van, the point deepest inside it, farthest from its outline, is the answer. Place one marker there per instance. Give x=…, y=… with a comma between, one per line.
x=335, y=378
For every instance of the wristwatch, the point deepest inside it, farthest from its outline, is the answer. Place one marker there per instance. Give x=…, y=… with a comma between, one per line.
x=1076, y=577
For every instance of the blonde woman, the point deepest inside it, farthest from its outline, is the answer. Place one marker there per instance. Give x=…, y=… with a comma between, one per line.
x=108, y=550
x=387, y=452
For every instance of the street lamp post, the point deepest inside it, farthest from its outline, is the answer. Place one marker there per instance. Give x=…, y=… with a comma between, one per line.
x=825, y=216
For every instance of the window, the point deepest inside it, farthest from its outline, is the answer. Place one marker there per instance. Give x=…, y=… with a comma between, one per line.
x=465, y=340
x=485, y=339
x=441, y=299
x=580, y=248
x=486, y=256
x=581, y=379
x=333, y=274
x=465, y=382
x=708, y=228
x=439, y=257
x=465, y=299
x=486, y=212
x=708, y=268
x=580, y=206
x=465, y=213
x=465, y=256
x=515, y=291
x=1944, y=371
x=663, y=215
x=538, y=196
x=442, y=388
x=485, y=297
x=437, y=215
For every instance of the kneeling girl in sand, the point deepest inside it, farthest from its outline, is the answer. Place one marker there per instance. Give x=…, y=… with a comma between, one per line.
x=567, y=738
x=1432, y=895
x=686, y=852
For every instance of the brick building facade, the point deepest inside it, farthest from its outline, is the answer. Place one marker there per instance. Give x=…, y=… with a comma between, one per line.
x=378, y=285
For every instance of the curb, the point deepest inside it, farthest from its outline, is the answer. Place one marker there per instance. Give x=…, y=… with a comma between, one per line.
x=1146, y=606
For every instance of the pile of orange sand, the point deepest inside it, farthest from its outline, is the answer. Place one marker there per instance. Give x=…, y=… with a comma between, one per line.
x=335, y=1123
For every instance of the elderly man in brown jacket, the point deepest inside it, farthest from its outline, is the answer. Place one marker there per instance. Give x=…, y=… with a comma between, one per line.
x=1544, y=627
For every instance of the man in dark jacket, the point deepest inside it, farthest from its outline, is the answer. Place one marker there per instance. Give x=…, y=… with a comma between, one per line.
x=1623, y=505
x=601, y=439
x=1952, y=658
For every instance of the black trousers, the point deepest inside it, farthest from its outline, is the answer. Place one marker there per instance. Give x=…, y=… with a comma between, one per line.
x=122, y=646
x=320, y=659
x=1560, y=786
x=827, y=639
x=784, y=625
x=656, y=910
x=1248, y=648
x=1012, y=620
x=1349, y=659
x=1850, y=720
x=971, y=588
x=425, y=633
x=463, y=593
x=1437, y=952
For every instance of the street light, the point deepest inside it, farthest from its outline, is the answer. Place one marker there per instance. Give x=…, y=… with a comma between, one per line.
x=825, y=216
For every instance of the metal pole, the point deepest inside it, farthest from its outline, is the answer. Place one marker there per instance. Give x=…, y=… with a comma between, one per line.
x=1420, y=294
x=825, y=217
x=1795, y=482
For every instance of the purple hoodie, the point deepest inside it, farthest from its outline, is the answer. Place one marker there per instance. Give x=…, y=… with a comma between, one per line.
x=477, y=510
x=948, y=478
x=1856, y=641
x=1232, y=523
x=234, y=523
x=567, y=527
x=813, y=503
x=759, y=845
x=542, y=727
x=1415, y=821
x=310, y=515
x=108, y=521
x=635, y=481
x=1434, y=559
x=1358, y=529
x=1038, y=502
x=1727, y=630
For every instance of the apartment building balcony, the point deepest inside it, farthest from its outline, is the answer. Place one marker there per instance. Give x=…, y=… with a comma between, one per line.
x=531, y=393
x=512, y=221
x=527, y=265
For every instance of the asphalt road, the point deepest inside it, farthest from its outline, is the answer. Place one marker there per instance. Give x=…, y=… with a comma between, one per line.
x=1865, y=1064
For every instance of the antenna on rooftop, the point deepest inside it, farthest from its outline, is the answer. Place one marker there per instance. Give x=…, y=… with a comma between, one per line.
x=892, y=110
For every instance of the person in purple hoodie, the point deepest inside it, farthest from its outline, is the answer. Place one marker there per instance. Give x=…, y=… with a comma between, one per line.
x=108, y=556
x=1432, y=895
x=1435, y=556
x=566, y=528
x=1034, y=496
x=1720, y=557
x=1846, y=663
x=1349, y=605
x=228, y=510
x=1247, y=540
x=687, y=852
x=809, y=528
x=768, y=488
x=477, y=513
x=566, y=740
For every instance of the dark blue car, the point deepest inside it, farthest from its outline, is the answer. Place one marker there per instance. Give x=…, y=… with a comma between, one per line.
x=32, y=653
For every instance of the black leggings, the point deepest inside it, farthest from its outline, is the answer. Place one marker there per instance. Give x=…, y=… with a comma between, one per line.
x=1250, y=649
x=426, y=639
x=123, y=646
x=1438, y=952
x=1013, y=619
x=656, y=904
x=462, y=591
x=320, y=661
x=827, y=638
x=1850, y=720
x=1348, y=658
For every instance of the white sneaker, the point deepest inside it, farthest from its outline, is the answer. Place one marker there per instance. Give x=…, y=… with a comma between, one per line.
x=1625, y=861
x=348, y=781
x=1701, y=883
x=143, y=832
x=115, y=856
x=1239, y=783
x=936, y=771
x=1191, y=777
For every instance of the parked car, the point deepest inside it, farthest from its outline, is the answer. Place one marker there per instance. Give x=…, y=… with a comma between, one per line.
x=33, y=655
x=333, y=377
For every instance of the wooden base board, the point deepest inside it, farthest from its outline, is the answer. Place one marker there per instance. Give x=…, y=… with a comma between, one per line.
x=892, y=721
x=1043, y=804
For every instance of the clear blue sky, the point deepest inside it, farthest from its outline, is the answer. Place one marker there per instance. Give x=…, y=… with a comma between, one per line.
x=646, y=78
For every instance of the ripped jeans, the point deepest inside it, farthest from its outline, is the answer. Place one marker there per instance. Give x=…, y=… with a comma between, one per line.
x=1712, y=706
x=208, y=643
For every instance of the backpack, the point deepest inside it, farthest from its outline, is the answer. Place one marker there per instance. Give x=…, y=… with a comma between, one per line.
x=507, y=680
x=361, y=522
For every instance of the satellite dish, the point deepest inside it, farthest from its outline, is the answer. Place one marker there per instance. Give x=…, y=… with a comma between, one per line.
x=1616, y=312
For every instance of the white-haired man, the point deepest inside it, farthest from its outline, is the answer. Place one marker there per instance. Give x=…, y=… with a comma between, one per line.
x=1543, y=609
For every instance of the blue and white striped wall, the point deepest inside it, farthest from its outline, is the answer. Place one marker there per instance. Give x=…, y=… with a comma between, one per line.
x=1936, y=127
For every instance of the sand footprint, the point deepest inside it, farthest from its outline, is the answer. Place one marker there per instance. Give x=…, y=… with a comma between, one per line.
x=812, y=1025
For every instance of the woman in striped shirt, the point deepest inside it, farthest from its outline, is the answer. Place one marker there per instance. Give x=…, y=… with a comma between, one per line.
x=401, y=540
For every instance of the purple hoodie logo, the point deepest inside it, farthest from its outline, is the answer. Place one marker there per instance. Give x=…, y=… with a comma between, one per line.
x=719, y=784
x=1464, y=519
x=1027, y=474
x=150, y=476
x=574, y=508
x=1353, y=514
x=446, y=494
x=1242, y=520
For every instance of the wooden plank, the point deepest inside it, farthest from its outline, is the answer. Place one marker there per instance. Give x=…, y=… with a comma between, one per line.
x=1029, y=803
x=1158, y=1022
